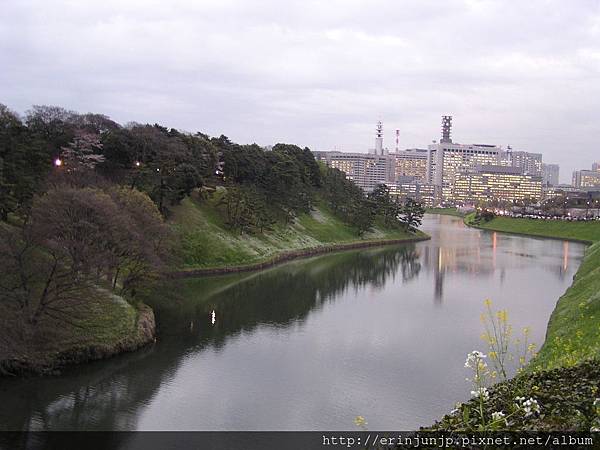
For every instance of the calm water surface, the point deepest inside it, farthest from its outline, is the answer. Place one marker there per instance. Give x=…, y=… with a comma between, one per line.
x=381, y=333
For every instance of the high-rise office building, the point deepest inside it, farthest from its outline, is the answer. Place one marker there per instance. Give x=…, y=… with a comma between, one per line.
x=411, y=163
x=496, y=183
x=365, y=169
x=448, y=160
x=420, y=192
x=550, y=174
x=585, y=179
x=529, y=163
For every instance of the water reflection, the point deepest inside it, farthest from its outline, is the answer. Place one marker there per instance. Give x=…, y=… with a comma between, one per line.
x=278, y=297
x=107, y=395
x=376, y=332
x=456, y=249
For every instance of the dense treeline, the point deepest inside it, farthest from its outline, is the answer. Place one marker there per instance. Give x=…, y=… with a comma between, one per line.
x=51, y=145
x=164, y=163
x=83, y=200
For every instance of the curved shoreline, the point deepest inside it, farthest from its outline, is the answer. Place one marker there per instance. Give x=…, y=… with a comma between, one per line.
x=291, y=255
x=146, y=326
x=519, y=233
x=145, y=334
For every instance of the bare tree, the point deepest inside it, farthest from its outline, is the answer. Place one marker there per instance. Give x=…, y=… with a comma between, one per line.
x=76, y=240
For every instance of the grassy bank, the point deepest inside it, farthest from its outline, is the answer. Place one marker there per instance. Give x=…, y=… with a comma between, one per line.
x=103, y=326
x=587, y=232
x=207, y=243
x=573, y=333
x=445, y=211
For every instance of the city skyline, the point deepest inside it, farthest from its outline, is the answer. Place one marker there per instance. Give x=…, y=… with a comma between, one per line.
x=319, y=75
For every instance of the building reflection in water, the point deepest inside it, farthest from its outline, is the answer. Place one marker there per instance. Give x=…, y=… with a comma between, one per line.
x=482, y=253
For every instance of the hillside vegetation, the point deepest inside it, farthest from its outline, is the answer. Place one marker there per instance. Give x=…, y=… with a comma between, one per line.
x=93, y=212
x=207, y=241
x=573, y=333
x=105, y=325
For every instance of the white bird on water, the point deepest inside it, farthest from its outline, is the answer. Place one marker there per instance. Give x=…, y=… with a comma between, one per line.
x=213, y=315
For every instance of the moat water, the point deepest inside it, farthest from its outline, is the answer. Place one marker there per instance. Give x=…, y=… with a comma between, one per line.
x=309, y=345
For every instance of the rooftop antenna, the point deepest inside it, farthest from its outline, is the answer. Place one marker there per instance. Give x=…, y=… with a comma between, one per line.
x=446, y=130
x=397, y=139
x=379, y=138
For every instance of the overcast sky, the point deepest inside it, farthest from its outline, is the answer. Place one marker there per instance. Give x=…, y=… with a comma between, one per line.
x=319, y=74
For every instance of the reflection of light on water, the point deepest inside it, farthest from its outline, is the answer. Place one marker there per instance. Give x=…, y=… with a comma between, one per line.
x=494, y=247
x=213, y=315
x=565, y=255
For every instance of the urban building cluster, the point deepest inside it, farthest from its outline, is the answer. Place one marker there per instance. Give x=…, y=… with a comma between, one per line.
x=448, y=173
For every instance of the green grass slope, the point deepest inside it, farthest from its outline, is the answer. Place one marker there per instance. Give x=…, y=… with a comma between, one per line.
x=445, y=211
x=573, y=333
x=577, y=231
x=206, y=242
x=104, y=325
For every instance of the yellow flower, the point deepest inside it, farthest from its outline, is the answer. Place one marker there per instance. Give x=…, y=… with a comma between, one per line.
x=360, y=421
x=502, y=315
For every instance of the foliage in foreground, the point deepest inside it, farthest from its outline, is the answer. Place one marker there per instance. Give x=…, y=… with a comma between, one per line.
x=561, y=399
x=566, y=398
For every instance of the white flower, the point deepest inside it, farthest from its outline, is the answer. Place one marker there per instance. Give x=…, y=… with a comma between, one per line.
x=456, y=408
x=594, y=430
x=530, y=407
x=482, y=393
x=497, y=415
x=474, y=359
x=597, y=403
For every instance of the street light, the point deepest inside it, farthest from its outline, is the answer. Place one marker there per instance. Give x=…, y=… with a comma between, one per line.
x=58, y=162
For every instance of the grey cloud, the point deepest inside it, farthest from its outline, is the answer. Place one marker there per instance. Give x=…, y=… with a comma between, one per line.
x=319, y=73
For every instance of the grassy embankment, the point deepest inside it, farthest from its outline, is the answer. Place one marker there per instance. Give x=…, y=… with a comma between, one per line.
x=207, y=243
x=103, y=326
x=445, y=211
x=564, y=376
x=587, y=232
